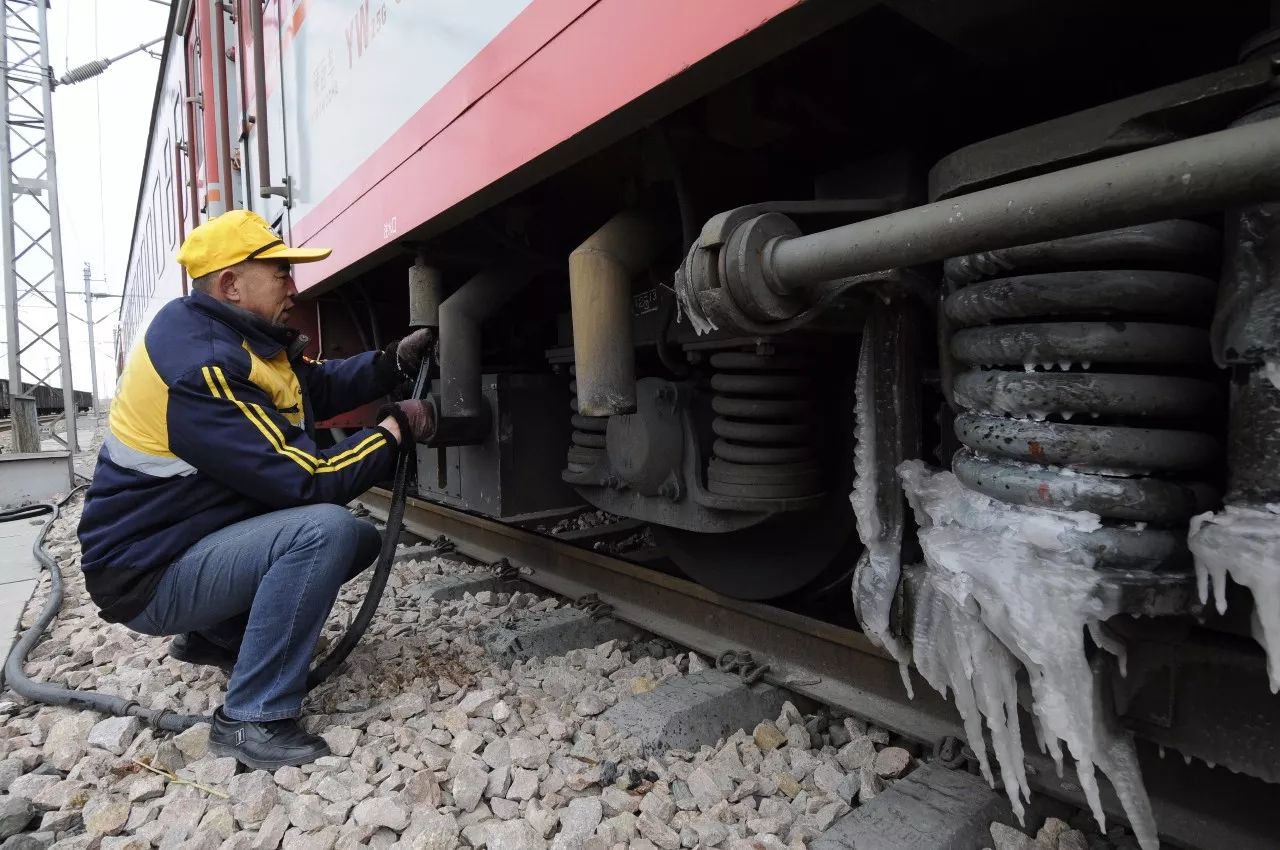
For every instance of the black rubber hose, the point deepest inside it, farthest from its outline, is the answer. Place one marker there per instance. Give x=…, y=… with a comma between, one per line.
x=52, y=694
x=382, y=569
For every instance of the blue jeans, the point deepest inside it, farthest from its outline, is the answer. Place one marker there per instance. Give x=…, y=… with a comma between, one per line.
x=263, y=586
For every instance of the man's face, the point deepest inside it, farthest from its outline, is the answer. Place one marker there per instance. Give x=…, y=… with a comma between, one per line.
x=263, y=287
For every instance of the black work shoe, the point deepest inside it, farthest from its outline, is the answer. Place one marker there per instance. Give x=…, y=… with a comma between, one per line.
x=194, y=649
x=266, y=745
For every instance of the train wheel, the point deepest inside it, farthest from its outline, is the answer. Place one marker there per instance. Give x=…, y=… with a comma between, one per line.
x=792, y=555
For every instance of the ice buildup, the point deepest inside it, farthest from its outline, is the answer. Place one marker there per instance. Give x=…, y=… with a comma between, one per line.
x=1245, y=543
x=1002, y=588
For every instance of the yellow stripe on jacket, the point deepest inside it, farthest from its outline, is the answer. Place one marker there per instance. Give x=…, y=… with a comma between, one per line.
x=221, y=388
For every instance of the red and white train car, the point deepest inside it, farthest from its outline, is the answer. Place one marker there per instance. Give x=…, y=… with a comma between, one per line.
x=385, y=116
x=717, y=264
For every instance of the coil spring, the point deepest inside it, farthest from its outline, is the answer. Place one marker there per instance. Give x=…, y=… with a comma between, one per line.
x=587, y=443
x=765, y=437
x=1127, y=336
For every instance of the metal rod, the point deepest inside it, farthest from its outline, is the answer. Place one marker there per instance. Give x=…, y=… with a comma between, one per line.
x=265, y=189
x=134, y=50
x=89, y=70
x=1209, y=172
x=55, y=235
x=221, y=106
x=207, y=105
x=93, y=349
x=6, y=215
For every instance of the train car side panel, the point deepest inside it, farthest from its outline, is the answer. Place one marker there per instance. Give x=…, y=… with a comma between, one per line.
x=355, y=72
x=476, y=131
x=163, y=216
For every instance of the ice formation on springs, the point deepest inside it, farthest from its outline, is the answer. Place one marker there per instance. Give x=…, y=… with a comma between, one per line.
x=1001, y=588
x=1245, y=542
x=879, y=569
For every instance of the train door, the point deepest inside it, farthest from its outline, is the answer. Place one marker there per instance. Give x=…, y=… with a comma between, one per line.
x=263, y=150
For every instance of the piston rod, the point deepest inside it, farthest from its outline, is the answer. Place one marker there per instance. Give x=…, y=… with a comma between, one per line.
x=1227, y=168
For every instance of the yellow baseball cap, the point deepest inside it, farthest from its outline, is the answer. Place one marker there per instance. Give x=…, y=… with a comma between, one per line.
x=234, y=237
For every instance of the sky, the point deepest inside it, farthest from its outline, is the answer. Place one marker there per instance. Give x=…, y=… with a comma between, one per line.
x=100, y=129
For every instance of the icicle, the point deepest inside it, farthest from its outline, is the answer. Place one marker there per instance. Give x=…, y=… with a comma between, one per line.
x=1098, y=632
x=878, y=571
x=1012, y=585
x=946, y=640
x=1245, y=543
x=1272, y=370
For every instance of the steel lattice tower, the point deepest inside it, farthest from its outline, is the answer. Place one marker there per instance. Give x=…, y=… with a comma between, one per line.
x=29, y=220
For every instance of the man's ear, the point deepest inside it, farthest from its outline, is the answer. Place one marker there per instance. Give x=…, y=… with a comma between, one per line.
x=228, y=285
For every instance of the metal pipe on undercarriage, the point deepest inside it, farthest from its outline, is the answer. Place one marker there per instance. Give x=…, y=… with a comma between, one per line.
x=600, y=273
x=1228, y=168
x=462, y=414
x=426, y=286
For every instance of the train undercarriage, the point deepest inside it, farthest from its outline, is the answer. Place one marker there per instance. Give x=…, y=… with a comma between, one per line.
x=929, y=319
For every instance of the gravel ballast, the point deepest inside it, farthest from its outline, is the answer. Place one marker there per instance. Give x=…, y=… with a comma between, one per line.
x=434, y=746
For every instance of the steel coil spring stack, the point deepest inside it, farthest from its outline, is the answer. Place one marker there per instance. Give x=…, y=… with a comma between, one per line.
x=765, y=443
x=587, y=444
x=1083, y=381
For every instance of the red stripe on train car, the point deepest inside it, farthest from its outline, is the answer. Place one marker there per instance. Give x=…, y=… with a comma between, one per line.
x=528, y=33
x=582, y=75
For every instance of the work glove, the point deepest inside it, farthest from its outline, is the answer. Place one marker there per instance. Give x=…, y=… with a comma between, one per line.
x=411, y=350
x=417, y=423
x=420, y=419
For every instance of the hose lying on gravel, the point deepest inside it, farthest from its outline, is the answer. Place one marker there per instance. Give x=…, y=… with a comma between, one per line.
x=58, y=694
x=163, y=719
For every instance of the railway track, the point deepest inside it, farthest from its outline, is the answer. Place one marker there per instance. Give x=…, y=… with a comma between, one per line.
x=1195, y=805
x=7, y=424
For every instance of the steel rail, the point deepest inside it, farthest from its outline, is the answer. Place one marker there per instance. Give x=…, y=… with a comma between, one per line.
x=828, y=663
x=1195, y=806
x=6, y=425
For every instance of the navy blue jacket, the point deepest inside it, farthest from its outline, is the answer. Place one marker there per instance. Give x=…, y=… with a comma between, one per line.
x=212, y=423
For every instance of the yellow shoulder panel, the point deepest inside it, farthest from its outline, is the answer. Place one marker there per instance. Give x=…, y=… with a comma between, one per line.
x=276, y=378
x=140, y=409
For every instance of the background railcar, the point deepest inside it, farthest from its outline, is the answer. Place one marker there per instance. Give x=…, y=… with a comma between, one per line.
x=48, y=399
